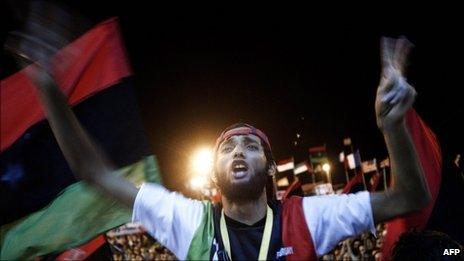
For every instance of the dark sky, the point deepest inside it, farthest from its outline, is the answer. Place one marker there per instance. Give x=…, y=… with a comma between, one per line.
x=284, y=69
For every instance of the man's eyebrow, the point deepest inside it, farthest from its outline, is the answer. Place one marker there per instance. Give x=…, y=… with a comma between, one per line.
x=227, y=142
x=250, y=140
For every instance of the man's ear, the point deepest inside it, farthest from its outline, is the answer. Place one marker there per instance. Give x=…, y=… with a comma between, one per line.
x=272, y=169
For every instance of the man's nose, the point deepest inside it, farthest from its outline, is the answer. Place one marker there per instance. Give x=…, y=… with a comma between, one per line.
x=239, y=152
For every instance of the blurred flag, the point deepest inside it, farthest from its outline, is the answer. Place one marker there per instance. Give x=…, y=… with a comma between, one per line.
x=284, y=176
x=374, y=181
x=51, y=210
x=341, y=157
x=318, y=157
x=347, y=141
x=347, y=150
x=428, y=150
x=369, y=166
x=385, y=163
x=385, y=172
x=283, y=182
x=285, y=165
x=315, y=150
x=305, y=175
x=354, y=160
x=293, y=188
x=302, y=168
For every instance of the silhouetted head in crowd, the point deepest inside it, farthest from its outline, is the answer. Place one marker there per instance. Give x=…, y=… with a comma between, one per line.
x=426, y=245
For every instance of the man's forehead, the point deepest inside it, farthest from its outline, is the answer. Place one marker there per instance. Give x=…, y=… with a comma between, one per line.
x=242, y=137
x=245, y=130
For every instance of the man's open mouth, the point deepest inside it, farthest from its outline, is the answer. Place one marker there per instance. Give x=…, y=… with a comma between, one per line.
x=239, y=169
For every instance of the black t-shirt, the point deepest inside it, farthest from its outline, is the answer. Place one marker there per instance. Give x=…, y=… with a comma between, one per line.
x=245, y=240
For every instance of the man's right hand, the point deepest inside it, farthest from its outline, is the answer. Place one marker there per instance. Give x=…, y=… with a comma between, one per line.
x=46, y=30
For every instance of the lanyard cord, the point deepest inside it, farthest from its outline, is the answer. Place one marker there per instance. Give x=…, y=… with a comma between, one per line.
x=265, y=241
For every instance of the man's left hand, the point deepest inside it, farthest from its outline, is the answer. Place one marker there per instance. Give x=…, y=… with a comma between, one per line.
x=395, y=96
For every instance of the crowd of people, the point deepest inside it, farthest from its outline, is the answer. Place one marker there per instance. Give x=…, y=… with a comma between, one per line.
x=137, y=246
x=141, y=246
x=363, y=247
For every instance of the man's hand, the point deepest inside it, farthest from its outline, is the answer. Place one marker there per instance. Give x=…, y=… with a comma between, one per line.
x=394, y=95
x=394, y=99
x=47, y=28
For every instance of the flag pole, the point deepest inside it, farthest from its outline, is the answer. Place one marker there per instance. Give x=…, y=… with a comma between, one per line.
x=347, y=149
x=346, y=173
x=360, y=167
x=384, y=172
x=364, y=180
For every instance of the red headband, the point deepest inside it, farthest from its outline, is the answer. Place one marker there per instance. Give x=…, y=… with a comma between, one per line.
x=244, y=130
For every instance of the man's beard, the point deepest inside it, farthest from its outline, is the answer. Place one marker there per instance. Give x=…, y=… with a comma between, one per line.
x=243, y=191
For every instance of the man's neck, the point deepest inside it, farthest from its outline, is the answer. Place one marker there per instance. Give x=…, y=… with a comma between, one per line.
x=248, y=212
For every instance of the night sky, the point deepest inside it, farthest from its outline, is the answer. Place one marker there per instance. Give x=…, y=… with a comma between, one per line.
x=284, y=69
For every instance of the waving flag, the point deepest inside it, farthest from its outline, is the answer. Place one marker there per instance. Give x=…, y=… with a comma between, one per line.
x=369, y=166
x=51, y=210
x=428, y=149
x=354, y=160
x=285, y=165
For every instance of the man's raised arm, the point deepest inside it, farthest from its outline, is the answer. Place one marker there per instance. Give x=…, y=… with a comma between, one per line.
x=394, y=99
x=84, y=157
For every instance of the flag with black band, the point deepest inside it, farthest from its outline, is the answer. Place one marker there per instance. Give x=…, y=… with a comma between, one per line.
x=43, y=207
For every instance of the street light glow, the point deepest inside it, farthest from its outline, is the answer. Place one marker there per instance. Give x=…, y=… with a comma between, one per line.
x=201, y=165
x=326, y=167
x=198, y=183
x=202, y=161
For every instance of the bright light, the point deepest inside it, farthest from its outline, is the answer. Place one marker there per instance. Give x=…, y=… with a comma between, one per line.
x=202, y=162
x=198, y=182
x=326, y=167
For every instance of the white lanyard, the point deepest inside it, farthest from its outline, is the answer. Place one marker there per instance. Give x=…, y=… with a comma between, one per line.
x=265, y=241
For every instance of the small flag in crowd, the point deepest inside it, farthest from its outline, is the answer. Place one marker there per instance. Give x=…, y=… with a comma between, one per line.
x=283, y=182
x=369, y=166
x=318, y=157
x=319, y=149
x=385, y=163
x=347, y=141
x=341, y=157
x=374, y=181
x=354, y=160
x=285, y=165
x=302, y=167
